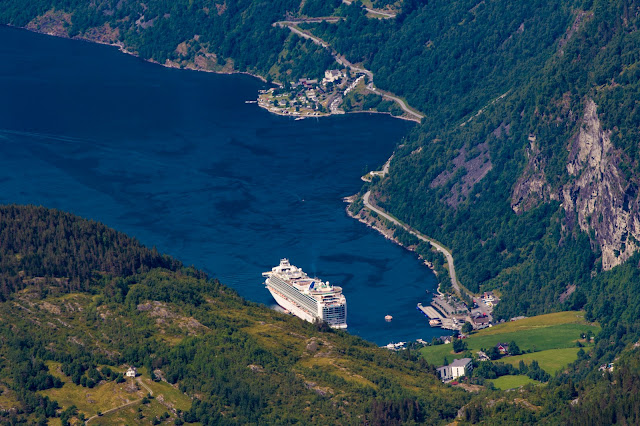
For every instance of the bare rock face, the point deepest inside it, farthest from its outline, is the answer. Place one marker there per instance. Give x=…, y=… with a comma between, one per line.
x=603, y=200
x=474, y=165
x=597, y=199
x=531, y=188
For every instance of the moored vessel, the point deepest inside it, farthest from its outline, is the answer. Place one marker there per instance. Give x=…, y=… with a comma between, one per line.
x=308, y=298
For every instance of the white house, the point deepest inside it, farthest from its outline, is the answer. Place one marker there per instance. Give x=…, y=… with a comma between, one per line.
x=331, y=76
x=457, y=368
x=131, y=372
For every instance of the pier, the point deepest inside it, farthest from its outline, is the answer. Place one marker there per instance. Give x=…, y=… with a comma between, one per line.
x=430, y=312
x=442, y=314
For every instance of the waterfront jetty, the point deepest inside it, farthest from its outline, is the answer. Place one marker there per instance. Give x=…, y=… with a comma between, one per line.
x=448, y=313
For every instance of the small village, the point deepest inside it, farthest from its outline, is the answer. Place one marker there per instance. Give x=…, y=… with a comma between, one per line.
x=311, y=98
x=451, y=313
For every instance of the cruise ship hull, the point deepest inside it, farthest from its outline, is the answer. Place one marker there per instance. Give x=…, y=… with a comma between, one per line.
x=296, y=310
x=291, y=307
x=308, y=298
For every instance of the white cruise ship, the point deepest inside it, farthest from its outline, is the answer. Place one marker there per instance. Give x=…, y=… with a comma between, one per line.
x=306, y=298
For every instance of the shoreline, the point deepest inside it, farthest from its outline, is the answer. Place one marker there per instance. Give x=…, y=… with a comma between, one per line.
x=401, y=117
x=122, y=48
x=385, y=232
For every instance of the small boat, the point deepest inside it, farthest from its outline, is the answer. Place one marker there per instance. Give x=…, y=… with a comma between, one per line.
x=300, y=118
x=388, y=318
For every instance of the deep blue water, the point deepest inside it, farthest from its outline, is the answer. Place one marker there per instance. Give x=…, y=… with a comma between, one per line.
x=180, y=161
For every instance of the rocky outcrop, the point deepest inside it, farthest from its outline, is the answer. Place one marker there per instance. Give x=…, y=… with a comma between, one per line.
x=531, y=188
x=468, y=169
x=53, y=22
x=599, y=196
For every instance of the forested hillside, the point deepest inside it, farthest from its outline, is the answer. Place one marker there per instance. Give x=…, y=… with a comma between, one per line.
x=205, y=355
x=537, y=193
x=201, y=34
x=526, y=165
x=526, y=162
x=85, y=302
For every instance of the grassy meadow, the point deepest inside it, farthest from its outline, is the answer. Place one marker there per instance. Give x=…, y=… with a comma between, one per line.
x=512, y=382
x=551, y=338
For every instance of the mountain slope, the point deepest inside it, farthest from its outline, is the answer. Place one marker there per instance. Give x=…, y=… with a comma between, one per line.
x=537, y=192
x=224, y=360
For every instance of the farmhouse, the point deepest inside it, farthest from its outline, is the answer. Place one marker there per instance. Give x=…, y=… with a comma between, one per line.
x=457, y=368
x=503, y=348
x=131, y=372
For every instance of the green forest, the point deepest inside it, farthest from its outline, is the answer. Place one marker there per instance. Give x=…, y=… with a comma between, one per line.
x=229, y=361
x=503, y=87
x=92, y=300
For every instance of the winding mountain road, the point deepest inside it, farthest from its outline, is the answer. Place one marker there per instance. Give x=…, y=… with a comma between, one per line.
x=292, y=25
x=420, y=236
x=482, y=307
x=384, y=14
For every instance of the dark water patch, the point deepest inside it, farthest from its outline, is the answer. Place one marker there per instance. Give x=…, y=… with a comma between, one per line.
x=178, y=160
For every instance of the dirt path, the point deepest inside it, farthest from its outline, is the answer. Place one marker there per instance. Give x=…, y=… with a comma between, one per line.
x=148, y=389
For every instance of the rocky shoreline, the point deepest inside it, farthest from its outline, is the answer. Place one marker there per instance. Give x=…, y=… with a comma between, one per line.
x=53, y=29
x=364, y=217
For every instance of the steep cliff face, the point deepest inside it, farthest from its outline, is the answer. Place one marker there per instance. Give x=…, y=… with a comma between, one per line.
x=531, y=188
x=598, y=198
x=602, y=198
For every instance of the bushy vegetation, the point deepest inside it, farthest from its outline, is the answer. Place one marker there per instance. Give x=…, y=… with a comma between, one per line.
x=490, y=73
x=239, y=362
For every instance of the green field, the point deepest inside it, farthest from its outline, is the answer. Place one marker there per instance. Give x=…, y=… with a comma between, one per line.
x=540, y=333
x=89, y=401
x=550, y=361
x=137, y=414
x=512, y=382
x=109, y=395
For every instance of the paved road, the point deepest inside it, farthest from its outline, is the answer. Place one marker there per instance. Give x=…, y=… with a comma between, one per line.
x=344, y=61
x=385, y=168
x=436, y=245
x=384, y=14
x=303, y=34
x=330, y=19
x=447, y=254
x=403, y=105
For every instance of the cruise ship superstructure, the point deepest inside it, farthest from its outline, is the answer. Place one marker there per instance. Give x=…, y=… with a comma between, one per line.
x=307, y=298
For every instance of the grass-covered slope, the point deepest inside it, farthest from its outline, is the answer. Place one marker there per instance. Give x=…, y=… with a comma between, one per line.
x=544, y=336
x=205, y=355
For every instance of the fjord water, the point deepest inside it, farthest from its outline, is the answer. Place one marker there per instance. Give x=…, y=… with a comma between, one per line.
x=180, y=161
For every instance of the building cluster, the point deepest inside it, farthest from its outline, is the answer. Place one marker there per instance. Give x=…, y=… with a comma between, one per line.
x=451, y=313
x=489, y=299
x=310, y=97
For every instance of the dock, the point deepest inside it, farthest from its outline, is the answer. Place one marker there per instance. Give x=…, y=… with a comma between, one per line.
x=429, y=311
x=436, y=319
